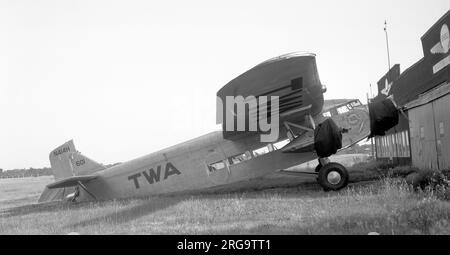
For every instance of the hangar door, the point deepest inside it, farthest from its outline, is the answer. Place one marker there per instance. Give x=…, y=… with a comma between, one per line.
x=423, y=145
x=441, y=110
x=430, y=130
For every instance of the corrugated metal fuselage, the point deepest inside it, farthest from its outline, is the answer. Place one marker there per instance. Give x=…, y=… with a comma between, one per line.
x=185, y=167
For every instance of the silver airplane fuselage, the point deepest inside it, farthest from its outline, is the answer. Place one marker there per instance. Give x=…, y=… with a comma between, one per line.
x=221, y=158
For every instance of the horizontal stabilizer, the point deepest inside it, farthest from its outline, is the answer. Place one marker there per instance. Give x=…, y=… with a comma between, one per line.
x=71, y=181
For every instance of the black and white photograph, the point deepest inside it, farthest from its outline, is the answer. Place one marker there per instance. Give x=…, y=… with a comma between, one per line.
x=224, y=119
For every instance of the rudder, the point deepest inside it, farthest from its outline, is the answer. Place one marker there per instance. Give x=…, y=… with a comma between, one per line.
x=67, y=162
x=60, y=160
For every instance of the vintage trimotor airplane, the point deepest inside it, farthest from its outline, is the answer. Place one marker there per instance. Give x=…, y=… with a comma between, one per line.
x=309, y=128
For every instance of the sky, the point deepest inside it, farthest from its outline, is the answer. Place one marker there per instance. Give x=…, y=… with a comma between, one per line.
x=127, y=78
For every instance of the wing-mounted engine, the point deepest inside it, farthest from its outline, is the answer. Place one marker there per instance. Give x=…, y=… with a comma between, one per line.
x=341, y=124
x=292, y=79
x=383, y=116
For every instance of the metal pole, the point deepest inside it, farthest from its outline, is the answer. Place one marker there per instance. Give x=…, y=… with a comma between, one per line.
x=389, y=80
x=387, y=47
x=373, y=150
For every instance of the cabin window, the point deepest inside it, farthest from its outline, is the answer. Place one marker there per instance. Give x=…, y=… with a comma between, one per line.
x=342, y=109
x=326, y=114
x=239, y=158
x=280, y=144
x=355, y=103
x=216, y=166
x=261, y=151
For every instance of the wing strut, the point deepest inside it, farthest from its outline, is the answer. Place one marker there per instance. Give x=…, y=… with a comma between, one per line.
x=85, y=189
x=308, y=118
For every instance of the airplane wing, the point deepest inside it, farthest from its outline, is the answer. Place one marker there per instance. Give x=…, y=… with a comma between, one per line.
x=71, y=181
x=292, y=78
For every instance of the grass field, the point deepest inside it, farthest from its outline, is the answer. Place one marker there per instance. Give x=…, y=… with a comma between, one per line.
x=22, y=191
x=386, y=206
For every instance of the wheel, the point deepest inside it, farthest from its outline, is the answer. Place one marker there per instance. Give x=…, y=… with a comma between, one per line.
x=333, y=176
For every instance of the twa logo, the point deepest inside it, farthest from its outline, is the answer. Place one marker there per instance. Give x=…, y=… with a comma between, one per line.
x=442, y=47
x=153, y=176
x=387, y=87
x=257, y=115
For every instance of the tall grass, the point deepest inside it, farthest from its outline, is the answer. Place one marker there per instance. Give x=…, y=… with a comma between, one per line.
x=388, y=206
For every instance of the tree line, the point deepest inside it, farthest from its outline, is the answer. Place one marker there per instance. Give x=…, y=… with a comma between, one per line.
x=30, y=172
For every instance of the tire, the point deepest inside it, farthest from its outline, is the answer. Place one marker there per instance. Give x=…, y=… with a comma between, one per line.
x=330, y=170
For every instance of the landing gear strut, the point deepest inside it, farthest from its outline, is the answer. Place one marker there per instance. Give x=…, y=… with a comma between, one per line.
x=332, y=176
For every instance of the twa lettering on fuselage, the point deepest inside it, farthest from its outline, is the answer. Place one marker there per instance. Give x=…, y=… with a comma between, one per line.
x=152, y=176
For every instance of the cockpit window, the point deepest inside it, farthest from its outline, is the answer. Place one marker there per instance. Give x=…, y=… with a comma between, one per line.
x=342, y=109
x=355, y=103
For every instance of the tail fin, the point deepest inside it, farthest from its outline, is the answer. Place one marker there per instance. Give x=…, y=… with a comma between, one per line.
x=83, y=165
x=60, y=160
x=67, y=162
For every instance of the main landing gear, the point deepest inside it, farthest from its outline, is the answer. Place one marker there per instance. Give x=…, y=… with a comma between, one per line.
x=331, y=175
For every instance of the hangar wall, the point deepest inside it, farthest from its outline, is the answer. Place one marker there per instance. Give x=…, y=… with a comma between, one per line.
x=430, y=129
x=422, y=137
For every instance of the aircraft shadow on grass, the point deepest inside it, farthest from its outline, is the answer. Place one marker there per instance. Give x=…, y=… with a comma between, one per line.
x=149, y=205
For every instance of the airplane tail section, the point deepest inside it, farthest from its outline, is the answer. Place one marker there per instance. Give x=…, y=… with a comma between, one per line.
x=70, y=168
x=83, y=165
x=49, y=195
x=67, y=162
x=60, y=160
